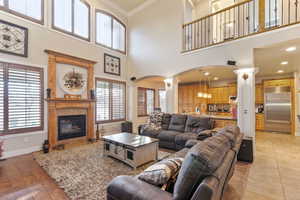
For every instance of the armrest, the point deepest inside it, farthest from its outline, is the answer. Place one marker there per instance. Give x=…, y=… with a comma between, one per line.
x=128, y=188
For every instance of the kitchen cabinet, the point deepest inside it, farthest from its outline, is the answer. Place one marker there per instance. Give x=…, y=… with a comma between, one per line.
x=279, y=82
x=259, y=94
x=220, y=123
x=260, y=123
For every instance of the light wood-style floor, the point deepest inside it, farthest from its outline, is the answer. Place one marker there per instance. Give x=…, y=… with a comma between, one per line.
x=275, y=174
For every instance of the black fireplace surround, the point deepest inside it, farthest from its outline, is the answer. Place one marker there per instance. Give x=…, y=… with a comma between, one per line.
x=72, y=126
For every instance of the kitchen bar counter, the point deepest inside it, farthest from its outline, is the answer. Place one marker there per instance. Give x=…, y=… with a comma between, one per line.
x=217, y=117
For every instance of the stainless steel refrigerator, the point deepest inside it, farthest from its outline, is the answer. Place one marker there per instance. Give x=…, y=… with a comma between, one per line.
x=278, y=109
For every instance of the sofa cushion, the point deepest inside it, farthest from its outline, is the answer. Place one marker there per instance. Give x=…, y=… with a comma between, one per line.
x=201, y=161
x=177, y=123
x=181, y=139
x=160, y=173
x=166, y=121
x=231, y=132
x=197, y=124
x=168, y=136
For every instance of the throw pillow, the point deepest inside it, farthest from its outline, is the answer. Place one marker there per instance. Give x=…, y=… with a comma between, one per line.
x=155, y=121
x=160, y=173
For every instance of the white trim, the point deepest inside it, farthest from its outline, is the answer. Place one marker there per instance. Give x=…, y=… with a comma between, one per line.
x=9, y=154
x=297, y=133
x=141, y=7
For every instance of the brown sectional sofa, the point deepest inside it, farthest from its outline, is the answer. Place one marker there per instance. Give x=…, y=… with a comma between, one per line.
x=178, y=129
x=204, y=175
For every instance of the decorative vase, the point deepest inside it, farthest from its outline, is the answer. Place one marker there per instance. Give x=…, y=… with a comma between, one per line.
x=46, y=146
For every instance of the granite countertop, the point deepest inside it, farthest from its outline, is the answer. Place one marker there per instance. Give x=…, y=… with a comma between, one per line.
x=221, y=117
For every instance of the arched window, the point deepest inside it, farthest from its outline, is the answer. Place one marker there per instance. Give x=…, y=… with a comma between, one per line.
x=72, y=17
x=110, y=32
x=29, y=9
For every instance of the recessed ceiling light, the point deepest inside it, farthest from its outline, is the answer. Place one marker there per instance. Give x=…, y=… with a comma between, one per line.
x=284, y=63
x=291, y=49
x=206, y=73
x=280, y=71
x=216, y=78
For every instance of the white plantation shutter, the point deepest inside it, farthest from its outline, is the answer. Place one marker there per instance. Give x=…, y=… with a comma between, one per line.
x=30, y=8
x=103, y=104
x=110, y=31
x=150, y=101
x=162, y=100
x=146, y=101
x=118, y=101
x=21, y=98
x=111, y=100
x=1, y=97
x=24, y=98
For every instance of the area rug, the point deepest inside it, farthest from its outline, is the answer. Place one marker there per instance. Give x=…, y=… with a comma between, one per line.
x=83, y=172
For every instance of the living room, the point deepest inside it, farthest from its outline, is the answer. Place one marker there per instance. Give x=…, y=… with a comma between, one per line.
x=119, y=99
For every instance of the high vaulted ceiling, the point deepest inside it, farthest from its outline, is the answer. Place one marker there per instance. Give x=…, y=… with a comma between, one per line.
x=128, y=5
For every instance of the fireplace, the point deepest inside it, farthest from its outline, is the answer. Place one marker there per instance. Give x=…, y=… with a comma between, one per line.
x=72, y=126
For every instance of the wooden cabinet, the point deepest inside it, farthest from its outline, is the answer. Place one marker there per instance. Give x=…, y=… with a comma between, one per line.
x=280, y=82
x=220, y=123
x=260, y=123
x=259, y=94
x=220, y=95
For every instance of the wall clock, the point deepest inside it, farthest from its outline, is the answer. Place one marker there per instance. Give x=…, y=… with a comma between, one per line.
x=112, y=65
x=13, y=39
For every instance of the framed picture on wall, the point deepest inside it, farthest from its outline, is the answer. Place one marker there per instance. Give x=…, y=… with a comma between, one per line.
x=13, y=39
x=112, y=65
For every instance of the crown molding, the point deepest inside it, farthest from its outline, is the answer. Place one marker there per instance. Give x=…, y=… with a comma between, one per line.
x=116, y=7
x=141, y=7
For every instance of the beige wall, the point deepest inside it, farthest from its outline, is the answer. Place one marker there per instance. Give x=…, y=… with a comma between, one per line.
x=42, y=37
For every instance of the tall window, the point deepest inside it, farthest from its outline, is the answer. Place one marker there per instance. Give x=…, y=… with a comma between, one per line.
x=21, y=98
x=111, y=101
x=146, y=101
x=72, y=17
x=29, y=9
x=110, y=32
x=162, y=100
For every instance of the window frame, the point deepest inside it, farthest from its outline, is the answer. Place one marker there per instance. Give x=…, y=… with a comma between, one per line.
x=6, y=130
x=146, y=100
x=110, y=101
x=112, y=25
x=6, y=8
x=72, y=33
x=160, y=90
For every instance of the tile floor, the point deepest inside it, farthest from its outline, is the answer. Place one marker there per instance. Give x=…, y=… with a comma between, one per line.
x=275, y=173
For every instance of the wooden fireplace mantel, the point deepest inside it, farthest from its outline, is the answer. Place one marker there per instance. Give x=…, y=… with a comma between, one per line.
x=56, y=104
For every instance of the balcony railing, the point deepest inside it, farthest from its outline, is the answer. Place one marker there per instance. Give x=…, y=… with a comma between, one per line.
x=238, y=21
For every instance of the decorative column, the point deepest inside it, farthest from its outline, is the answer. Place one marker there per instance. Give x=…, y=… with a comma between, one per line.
x=171, y=95
x=246, y=100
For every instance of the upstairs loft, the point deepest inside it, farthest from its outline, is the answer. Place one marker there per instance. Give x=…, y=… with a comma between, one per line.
x=242, y=19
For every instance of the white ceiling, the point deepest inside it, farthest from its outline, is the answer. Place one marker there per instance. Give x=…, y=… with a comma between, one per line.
x=128, y=5
x=196, y=75
x=268, y=59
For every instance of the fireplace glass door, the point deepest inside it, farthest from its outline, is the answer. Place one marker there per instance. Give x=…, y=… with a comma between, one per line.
x=71, y=126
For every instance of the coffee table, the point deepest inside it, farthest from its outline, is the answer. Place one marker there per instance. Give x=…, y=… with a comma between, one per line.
x=132, y=149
